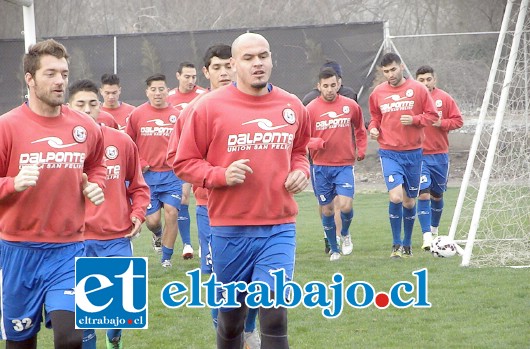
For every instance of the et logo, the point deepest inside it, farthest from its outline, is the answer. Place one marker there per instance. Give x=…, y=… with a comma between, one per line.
x=111, y=293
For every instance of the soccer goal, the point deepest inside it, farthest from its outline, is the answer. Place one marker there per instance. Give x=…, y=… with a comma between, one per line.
x=492, y=214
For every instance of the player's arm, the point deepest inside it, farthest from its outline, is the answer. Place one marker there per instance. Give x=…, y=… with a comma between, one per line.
x=375, y=116
x=174, y=138
x=137, y=191
x=361, y=136
x=298, y=177
x=94, y=170
x=430, y=113
x=452, y=119
x=131, y=130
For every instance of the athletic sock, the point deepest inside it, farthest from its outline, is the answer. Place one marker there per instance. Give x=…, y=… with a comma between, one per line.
x=409, y=216
x=437, y=208
x=114, y=333
x=167, y=253
x=330, y=230
x=424, y=215
x=250, y=321
x=89, y=339
x=158, y=232
x=184, y=224
x=346, y=219
x=395, y=213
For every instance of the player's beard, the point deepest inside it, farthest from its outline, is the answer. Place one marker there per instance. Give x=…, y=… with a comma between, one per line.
x=259, y=85
x=47, y=96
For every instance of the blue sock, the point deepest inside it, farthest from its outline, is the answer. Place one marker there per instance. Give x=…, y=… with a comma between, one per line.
x=409, y=216
x=437, y=208
x=184, y=224
x=250, y=322
x=167, y=253
x=395, y=213
x=89, y=339
x=424, y=215
x=215, y=312
x=330, y=229
x=158, y=232
x=113, y=333
x=346, y=219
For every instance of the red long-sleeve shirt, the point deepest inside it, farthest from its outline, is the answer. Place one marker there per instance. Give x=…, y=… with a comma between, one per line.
x=436, y=141
x=112, y=219
x=64, y=147
x=333, y=125
x=180, y=100
x=227, y=125
x=387, y=103
x=150, y=128
x=120, y=114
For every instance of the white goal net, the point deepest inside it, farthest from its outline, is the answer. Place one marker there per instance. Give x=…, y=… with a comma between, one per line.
x=492, y=214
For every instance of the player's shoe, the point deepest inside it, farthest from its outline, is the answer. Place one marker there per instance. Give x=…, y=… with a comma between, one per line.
x=427, y=239
x=157, y=243
x=166, y=263
x=434, y=232
x=115, y=343
x=347, y=245
x=406, y=252
x=335, y=256
x=252, y=340
x=327, y=247
x=187, y=252
x=396, y=252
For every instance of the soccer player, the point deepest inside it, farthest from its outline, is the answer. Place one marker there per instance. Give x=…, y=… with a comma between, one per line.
x=223, y=148
x=51, y=159
x=110, y=90
x=150, y=126
x=110, y=226
x=218, y=70
x=337, y=134
x=400, y=108
x=179, y=97
x=435, y=163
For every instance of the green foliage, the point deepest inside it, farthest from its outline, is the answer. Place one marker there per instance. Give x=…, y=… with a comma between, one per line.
x=471, y=308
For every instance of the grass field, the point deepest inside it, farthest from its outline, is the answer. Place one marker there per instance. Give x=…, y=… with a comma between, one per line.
x=471, y=308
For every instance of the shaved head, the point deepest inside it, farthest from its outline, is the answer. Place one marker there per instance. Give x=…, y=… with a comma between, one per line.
x=246, y=39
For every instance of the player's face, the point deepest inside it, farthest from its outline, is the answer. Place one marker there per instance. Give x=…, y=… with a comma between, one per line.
x=253, y=65
x=111, y=95
x=50, y=80
x=394, y=74
x=157, y=94
x=219, y=72
x=187, y=79
x=328, y=88
x=428, y=80
x=86, y=102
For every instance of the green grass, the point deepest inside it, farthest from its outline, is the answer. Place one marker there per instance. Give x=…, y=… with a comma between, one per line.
x=471, y=308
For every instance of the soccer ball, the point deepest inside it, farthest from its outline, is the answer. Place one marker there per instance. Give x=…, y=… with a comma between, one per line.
x=444, y=247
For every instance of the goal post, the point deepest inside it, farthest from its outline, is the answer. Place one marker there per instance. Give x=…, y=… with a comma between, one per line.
x=492, y=214
x=28, y=12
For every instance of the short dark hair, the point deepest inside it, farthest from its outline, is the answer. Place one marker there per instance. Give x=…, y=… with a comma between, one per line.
x=36, y=51
x=327, y=73
x=221, y=51
x=155, y=77
x=424, y=69
x=335, y=66
x=110, y=79
x=389, y=58
x=183, y=65
x=82, y=85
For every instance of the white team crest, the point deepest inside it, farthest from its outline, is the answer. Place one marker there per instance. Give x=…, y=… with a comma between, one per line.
x=289, y=116
x=172, y=118
x=409, y=93
x=345, y=109
x=390, y=179
x=438, y=103
x=423, y=179
x=111, y=152
x=79, y=133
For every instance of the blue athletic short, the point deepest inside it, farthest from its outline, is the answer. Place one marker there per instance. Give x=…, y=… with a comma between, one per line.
x=330, y=181
x=402, y=167
x=165, y=188
x=121, y=247
x=33, y=275
x=248, y=253
x=434, y=172
x=203, y=227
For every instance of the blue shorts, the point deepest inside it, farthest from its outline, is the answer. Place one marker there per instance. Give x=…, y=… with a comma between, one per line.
x=165, y=188
x=203, y=227
x=434, y=172
x=402, y=168
x=121, y=247
x=330, y=181
x=33, y=275
x=248, y=253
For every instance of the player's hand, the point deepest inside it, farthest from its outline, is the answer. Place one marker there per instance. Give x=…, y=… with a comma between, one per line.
x=145, y=169
x=236, y=172
x=438, y=123
x=360, y=157
x=136, y=229
x=406, y=120
x=92, y=191
x=374, y=133
x=296, y=182
x=27, y=177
